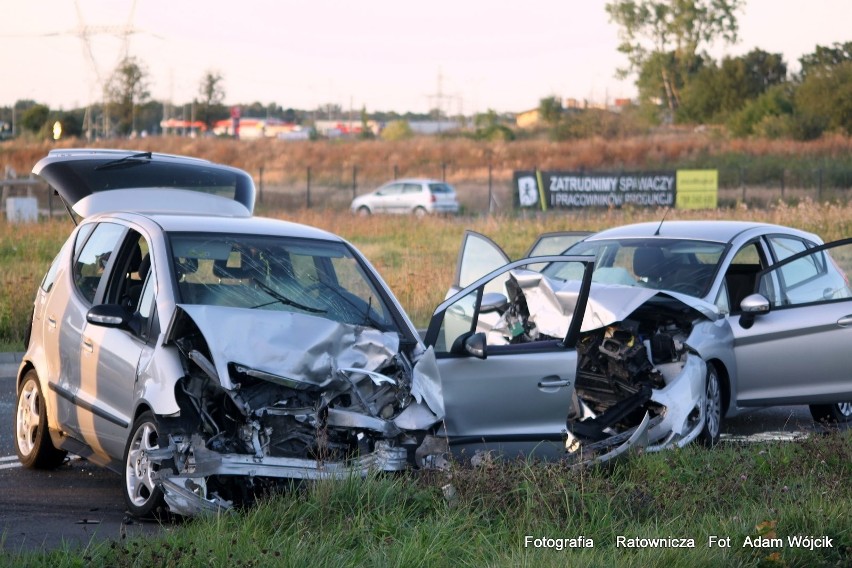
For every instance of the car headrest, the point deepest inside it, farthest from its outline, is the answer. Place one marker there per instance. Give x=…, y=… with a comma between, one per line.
x=648, y=262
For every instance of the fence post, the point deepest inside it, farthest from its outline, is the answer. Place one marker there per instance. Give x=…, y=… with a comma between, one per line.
x=308, y=192
x=782, y=185
x=490, y=194
x=260, y=187
x=395, y=172
x=354, y=181
x=742, y=183
x=443, y=172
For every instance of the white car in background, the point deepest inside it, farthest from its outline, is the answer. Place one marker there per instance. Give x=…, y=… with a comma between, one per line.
x=417, y=196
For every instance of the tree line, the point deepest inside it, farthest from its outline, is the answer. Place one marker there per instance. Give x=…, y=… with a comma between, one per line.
x=666, y=41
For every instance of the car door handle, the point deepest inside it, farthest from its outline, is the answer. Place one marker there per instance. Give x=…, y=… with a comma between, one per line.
x=553, y=383
x=88, y=345
x=51, y=321
x=845, y=321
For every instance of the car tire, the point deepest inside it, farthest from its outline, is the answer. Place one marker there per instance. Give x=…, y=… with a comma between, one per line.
x=419, y=212
x=33, y=445
x=364, y=211
x=709, y=435
x=839, y=413
x=142, y=496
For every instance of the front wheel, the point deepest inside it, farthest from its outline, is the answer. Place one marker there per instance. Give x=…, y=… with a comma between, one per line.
x=32, y=439
x=838, y=413
x=143, y=496
x=419, y=212
x=709, y=435
x=363, y=211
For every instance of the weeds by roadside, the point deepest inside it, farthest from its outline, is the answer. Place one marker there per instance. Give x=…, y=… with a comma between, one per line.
x=519, y=513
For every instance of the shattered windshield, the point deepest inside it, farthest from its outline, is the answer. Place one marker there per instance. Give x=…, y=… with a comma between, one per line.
x=678, y=265
x=277, y=273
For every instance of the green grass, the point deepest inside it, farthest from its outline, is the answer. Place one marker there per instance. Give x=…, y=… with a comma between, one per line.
x=773, y=489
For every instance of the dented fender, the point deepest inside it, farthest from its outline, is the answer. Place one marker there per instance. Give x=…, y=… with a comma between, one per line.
x=682, y=397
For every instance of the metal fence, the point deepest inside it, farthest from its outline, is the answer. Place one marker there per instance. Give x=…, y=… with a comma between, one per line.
x=483, y=190
x=488, y=189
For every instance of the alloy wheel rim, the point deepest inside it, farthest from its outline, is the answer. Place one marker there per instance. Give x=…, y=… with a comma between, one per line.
x=140, y=469
x=845, y=409
x=714, y=404
x=28, y=418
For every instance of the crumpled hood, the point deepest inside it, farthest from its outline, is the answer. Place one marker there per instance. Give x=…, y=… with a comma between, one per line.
x=551, y=302
x=297, y=346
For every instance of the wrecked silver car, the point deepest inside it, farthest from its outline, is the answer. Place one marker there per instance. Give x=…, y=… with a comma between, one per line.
x=208, y=355
x=617, y=359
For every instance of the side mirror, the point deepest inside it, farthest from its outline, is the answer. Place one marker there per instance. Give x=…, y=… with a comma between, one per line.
x=475, y=345
x=109, y=315
x=752, y=306
x=493, y=302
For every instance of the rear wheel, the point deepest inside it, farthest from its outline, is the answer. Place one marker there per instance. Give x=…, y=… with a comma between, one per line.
x=838, y=413
x=32, y=439
x=141, y=494
x=712, y=408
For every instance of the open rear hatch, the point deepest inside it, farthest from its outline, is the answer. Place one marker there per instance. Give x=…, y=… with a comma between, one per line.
x=94, y=181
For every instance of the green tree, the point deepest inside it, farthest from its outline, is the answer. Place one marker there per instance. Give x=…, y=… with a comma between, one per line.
x=397, y=130
x=212, y=92
x=717, y=91
x=823, y=59
x=35, y=117
x=366, y=132
x=126, y=89
x=489, y=127
x=824, y=99
x=550, y=110
x=769, y=115
x=671, y=35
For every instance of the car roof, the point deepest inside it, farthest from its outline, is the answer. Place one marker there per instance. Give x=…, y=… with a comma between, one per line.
x=180, y=223
x=718, y=231
x=415, y=180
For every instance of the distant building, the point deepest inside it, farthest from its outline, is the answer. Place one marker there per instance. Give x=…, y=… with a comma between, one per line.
x=254, y=128
x=338, y=128
x=528, y=118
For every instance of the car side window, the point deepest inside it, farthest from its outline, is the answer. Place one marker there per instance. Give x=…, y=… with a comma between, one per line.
x=393, y=189
x=412, y=188
x=785, y=247
x=513, y=309
x=91, y=264
x=131, y=269
x=819, y=275
x=740, y=277
x=50, y=278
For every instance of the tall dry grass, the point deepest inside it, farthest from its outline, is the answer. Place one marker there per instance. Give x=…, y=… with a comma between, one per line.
x=415, y=256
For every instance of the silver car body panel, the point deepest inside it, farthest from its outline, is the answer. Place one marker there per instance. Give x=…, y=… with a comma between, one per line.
x=300, y=347
x=156, y=200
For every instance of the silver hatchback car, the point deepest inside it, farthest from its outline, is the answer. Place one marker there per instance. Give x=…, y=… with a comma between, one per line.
x=417, y=196
x=780, y=301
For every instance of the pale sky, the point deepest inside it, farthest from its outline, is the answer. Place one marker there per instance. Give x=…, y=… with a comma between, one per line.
x=382, y=54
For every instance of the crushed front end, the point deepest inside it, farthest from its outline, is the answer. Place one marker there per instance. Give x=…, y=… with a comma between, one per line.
x=272, y=410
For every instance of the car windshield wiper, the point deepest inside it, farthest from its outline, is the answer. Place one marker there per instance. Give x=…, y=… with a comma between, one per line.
x=368, y=319
x=127, y=162
x=283, y=299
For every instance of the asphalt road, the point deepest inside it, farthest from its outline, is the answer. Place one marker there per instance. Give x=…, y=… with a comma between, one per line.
x=80, y=502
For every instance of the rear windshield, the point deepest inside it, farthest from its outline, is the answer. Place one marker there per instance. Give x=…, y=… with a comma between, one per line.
x=84, y=177
x=440, y=188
